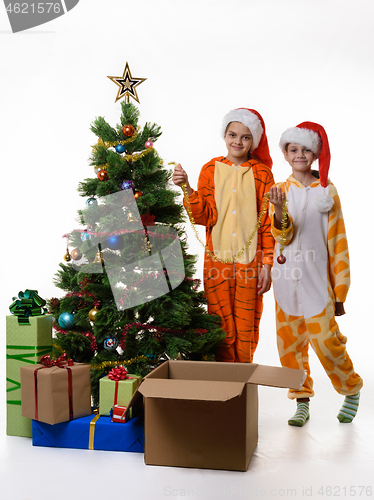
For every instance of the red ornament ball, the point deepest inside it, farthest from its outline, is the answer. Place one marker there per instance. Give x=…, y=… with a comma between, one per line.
x=128, y=130
x=102, y=175
x=148, y=144
x=138, y=194
x=281, y=259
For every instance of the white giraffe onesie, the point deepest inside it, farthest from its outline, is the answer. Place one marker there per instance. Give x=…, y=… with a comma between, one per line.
x=316, y=274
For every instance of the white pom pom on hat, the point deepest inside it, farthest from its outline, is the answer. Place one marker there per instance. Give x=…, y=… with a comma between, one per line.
x=254, y=121
x=324, y=202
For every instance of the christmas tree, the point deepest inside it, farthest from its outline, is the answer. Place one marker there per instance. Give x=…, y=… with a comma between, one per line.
x=130, y=294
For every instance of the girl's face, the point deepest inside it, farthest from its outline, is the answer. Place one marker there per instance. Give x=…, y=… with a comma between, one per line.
x=239, y=141
x=299, y=157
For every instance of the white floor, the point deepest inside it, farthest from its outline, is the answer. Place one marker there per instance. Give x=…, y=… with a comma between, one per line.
x=322, y=457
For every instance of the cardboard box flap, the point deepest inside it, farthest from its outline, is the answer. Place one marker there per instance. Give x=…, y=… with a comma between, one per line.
x=197, y=390
x=278, y=377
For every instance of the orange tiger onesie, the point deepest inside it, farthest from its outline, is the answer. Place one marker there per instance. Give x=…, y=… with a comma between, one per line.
x=227, y=202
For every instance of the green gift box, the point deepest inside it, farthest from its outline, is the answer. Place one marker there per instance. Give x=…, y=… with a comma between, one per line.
x=107, y=392
x=26, y=344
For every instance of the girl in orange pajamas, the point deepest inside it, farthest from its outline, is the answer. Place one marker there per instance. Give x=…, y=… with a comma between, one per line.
x=311, y=278
x=228, y=202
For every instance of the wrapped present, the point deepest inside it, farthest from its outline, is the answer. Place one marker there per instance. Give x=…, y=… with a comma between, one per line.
x=120, y=414
x=56, y=391
x=117, y=388
x=28, y=339
x=91, y=432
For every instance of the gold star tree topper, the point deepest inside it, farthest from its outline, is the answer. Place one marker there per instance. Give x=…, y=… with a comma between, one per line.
x=127, y=85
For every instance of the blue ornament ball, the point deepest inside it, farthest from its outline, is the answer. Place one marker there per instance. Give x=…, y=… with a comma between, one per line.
x=110, y=343
x=91, y=202
x=114, y=242
x=127, y=185
x=120, y=148
x=66, y=320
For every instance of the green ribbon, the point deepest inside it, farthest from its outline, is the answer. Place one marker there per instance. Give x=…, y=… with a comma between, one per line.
x=24, y=356
x=17, y=385
x=28, y=303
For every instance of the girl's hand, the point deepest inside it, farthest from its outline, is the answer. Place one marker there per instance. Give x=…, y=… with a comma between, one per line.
x=180, y=177
x=277, y=197
x=264, y=279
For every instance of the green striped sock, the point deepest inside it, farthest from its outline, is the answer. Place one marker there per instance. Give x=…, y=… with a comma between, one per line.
x=301, y=415
x=349, y=409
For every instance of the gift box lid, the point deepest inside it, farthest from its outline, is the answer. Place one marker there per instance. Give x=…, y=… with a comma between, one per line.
x=214, y=381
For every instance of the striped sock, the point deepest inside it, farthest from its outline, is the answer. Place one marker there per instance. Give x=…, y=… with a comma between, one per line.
x=349, y=409
x=301, y=415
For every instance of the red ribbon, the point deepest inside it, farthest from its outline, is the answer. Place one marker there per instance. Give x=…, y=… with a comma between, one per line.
x=47, y=361
x=60, y=362
x=117, y=374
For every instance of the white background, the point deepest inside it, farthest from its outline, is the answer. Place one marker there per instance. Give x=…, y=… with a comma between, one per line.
x=292, y=60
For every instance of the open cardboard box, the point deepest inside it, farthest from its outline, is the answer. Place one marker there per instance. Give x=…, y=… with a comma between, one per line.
x=205, y=414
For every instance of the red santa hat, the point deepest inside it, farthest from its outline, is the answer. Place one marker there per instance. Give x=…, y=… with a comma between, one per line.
x=254, y=121
x=313, y=136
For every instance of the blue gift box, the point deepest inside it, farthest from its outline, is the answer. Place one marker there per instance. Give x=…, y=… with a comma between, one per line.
x=91, y=432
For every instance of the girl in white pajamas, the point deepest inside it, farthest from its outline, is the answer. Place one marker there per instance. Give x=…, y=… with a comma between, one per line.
x=311, y=285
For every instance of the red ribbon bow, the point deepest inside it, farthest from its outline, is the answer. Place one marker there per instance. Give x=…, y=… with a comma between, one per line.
x=61, y=362
x=47, y=361
x=119, y=373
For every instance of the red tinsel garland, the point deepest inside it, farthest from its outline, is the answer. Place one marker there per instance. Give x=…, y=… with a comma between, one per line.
x=88, y=334
x=80, y=294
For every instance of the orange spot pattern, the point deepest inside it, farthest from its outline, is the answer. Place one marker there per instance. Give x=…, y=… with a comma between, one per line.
x=341, y=292
x=285, y=333
x=340, y=267
x=340, y=246
x=290, y=360
x=321, y=331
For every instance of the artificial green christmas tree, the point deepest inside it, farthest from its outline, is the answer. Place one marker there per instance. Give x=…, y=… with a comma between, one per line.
x=130, y=294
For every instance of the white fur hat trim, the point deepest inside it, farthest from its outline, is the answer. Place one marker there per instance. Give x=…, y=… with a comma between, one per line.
x=248, y=119
x=303, y=136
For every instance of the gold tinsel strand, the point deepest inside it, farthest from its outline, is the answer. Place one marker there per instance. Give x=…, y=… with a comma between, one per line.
x=133, y=158
x=111, y=364
x=58, y=348
x=106, y=364
x=241, y=252
x=282, y=238
x=112, y=144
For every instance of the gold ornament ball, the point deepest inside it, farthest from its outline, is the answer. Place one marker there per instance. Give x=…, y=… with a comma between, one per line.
x=76, y=254
x=128, y=130
x=67, y=257
x=93, y=313
x=138, y=194
x=102, y=175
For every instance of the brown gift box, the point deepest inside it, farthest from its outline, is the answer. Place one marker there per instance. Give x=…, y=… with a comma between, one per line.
x=204, y=414
x=53, y=392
